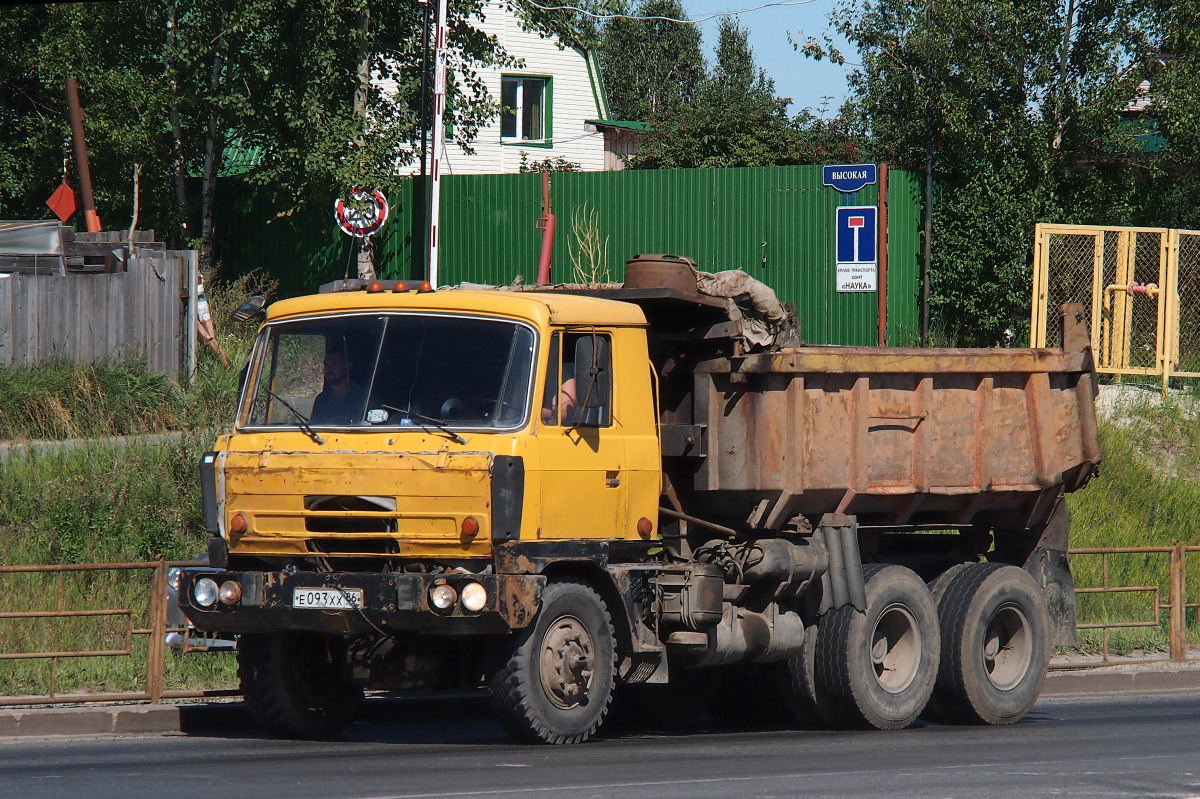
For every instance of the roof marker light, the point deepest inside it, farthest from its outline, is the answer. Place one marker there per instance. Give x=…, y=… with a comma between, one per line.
x=374, y=287
x=401, y=287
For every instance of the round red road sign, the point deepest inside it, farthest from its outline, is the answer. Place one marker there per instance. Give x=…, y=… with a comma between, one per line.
x=363, y=214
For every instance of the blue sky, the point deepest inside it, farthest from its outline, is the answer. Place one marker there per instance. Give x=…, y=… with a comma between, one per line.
x=804, y=80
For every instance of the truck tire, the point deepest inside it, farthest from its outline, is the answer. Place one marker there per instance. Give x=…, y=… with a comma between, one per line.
x=938, y=587
x=554, y=680
x=934, y=711
x=808, y=707
x=878, y=668
x=297, y=684
x=995, y=645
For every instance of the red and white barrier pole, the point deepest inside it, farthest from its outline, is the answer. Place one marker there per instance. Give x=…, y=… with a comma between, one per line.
x=439, y=135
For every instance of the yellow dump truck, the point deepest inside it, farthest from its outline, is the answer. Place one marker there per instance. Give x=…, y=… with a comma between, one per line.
x=556, y=493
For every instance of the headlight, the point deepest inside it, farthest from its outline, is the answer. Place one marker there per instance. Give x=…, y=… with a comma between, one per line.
x=175, y=578
x=474, y=597
x=442, y=597
x=205, y=592
x=230, y=592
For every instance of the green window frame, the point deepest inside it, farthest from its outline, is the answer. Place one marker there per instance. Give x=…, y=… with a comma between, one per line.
x=525, y=114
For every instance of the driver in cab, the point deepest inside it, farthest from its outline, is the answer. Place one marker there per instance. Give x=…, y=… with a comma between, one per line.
x=342, y=400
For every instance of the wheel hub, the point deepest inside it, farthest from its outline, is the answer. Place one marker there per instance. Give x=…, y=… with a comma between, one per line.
x=567, y=663
x=1007, y=648
x=896, y=649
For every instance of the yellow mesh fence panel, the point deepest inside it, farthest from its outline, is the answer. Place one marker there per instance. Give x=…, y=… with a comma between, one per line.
x=1140, y=288
x=1187, y=360
x=1142, y=309
x=1071, y=278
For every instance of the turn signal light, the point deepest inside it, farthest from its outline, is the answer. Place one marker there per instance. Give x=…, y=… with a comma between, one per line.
x=470, y=526
x=239, y=524
x=230, y=593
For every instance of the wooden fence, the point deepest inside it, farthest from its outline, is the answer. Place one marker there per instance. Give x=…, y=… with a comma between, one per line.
x=142, y=313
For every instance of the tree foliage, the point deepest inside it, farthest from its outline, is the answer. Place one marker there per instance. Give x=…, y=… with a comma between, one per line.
x=735, y=119
x=653, y=66
x=1023, y=107
x=173, y=84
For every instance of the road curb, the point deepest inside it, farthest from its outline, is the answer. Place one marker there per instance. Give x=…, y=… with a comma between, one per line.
x=1120, y=679
x=226, y=716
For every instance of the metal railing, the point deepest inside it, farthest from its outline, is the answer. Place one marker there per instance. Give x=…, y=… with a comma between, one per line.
x=146, y=618
x=1176, y=605
x=150, y=620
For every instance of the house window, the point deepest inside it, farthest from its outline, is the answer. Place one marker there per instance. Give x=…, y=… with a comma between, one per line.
x=524, y=115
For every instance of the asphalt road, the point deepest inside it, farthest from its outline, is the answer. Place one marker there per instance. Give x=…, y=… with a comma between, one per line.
x=1127, y=746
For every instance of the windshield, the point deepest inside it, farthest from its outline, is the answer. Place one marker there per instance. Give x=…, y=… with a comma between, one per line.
x=395, y=370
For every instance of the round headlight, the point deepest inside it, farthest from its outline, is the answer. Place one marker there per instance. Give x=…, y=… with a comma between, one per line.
x=442, y=597
x=230, y=592
x=205, y=592
x=474, y=597
x=175, y=578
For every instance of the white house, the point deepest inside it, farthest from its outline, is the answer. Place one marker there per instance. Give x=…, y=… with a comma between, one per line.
x=554, y=106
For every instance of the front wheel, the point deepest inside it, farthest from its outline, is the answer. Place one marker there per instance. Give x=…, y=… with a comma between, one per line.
x=554, y=680
x=297, y=684
x=877, y=668
x=995, y=645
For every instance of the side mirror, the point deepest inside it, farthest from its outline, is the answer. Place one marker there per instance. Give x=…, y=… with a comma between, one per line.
x=593, y=380
x=252, y=308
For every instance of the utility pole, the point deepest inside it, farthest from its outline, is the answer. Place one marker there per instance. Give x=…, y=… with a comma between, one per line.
x=81, y=158
x=928, y=254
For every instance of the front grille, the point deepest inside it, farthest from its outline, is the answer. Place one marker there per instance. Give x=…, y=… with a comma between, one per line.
x=353, y=546
x=333, y=516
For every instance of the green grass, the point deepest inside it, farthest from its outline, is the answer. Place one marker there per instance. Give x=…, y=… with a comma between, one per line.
x=101, y=502
x=1147, y=495
x=98, y=503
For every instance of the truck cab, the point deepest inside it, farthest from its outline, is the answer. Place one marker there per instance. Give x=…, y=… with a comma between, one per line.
x=407, y=463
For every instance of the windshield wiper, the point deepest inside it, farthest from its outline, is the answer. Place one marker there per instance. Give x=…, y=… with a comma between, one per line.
x=303, y=419
x=428, y=420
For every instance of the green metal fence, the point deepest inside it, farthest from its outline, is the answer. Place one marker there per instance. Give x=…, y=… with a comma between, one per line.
x=777, y=223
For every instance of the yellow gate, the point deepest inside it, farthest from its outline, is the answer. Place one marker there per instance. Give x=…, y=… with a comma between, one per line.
x=1142, y=286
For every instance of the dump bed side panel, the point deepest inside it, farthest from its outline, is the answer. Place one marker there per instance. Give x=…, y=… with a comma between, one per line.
x=897, y=437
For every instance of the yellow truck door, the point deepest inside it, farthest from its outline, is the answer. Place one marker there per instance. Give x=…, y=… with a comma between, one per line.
x=584, y=490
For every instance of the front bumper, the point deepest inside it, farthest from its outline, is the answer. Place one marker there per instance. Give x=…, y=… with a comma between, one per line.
x=391, y=603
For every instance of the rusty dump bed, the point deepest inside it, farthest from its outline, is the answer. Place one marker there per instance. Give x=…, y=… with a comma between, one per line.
x=898, y=437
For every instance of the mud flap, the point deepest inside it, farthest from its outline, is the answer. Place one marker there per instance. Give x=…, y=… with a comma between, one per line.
x=1051, y=568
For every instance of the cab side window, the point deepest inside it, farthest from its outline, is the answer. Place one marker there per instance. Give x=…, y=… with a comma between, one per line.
x=578, y=389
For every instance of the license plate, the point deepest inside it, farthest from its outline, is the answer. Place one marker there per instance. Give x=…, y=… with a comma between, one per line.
x=327, y=598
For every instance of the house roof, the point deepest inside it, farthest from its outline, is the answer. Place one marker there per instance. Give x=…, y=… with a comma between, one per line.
x=619, y=124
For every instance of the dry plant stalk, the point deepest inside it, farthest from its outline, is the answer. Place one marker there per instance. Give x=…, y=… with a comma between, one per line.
x=588, y=248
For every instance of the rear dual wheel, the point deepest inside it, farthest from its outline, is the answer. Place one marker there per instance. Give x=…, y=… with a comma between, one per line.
x=877, y=669
x=995, y=645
